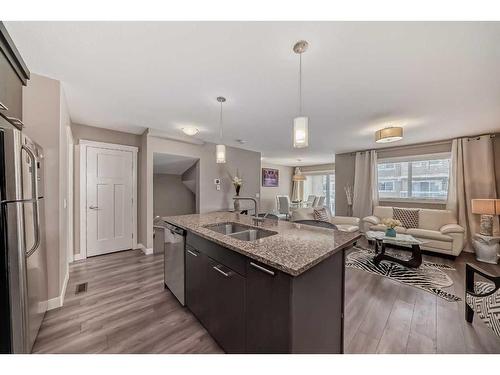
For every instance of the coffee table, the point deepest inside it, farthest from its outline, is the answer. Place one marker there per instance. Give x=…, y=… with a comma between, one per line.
x=405, y=240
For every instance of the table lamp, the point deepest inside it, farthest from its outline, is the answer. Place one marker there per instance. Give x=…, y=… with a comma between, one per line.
x=487, y=208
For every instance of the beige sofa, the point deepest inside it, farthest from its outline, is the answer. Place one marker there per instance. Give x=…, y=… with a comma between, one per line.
x=437, y=228
x=343, y=223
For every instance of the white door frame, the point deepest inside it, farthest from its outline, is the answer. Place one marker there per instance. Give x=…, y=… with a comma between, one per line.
x=84, y=144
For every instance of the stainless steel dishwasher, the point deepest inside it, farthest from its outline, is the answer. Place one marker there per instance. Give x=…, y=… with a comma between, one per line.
x=175, y=238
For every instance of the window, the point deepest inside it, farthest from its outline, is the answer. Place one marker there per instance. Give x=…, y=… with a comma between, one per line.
x=321, y=184
x=417, y=179
x=386, y=186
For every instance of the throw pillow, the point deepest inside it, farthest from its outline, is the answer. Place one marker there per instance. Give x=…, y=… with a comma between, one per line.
x=321, y=214
x=407, y=217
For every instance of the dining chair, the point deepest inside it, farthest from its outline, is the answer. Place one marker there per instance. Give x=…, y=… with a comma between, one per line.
x=316, y=201
x=310, y=200
x=283, y=205
x=321, y=201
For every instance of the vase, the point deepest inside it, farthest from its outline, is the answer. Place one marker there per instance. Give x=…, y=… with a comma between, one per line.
x=390, y=232
x=236, y=201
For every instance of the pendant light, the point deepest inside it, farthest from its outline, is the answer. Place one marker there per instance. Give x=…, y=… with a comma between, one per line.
x=220, y=149
x=298, y=176
x=300, y=123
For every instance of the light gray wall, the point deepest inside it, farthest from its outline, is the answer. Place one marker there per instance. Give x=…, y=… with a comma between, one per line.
x=171, y=196
x=210, y=199
x=268, y=194
x=91, y=133
x=344, y=176
x=46, y=118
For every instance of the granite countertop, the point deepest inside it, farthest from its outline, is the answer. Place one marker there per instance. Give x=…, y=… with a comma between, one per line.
x=294, y=249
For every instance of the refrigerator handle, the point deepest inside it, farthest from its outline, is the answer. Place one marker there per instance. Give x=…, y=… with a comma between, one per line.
x=34, y=192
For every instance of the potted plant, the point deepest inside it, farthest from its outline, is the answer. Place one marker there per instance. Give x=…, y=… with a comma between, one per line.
x=391, y=224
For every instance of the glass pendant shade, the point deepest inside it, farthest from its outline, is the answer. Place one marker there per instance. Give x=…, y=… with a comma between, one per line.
x=300, y=132
x=220, y=154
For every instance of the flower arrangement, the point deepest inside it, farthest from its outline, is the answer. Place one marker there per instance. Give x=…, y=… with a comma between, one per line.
x=237, y=182
x=391, y=224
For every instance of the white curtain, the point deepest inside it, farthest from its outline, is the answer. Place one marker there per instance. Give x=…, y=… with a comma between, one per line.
x=472, y=176
x=365, y=184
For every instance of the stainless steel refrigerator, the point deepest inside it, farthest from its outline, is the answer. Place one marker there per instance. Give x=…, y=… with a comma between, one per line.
x=23, y=261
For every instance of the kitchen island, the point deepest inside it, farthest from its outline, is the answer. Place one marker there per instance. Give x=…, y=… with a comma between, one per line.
x=265, y=286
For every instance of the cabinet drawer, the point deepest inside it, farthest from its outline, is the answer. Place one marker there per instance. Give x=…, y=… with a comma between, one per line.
x=229, y=258
x=11, y=94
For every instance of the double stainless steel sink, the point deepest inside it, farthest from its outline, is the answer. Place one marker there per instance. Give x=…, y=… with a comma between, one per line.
x=240, y=231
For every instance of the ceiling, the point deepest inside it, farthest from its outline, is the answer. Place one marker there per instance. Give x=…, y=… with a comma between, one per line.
x=437, y=80
x=171, y=164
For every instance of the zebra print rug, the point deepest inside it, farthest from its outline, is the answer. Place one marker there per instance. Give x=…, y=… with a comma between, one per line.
x=429, y=276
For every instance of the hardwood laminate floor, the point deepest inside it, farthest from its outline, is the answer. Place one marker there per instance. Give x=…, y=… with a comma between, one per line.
x=127, y=310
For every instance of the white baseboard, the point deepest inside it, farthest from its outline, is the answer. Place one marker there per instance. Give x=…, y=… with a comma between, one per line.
x=58, y=301
x=145, y=250
x=78, y=257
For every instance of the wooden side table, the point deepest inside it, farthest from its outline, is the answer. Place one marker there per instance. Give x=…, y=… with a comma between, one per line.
x=487, y=248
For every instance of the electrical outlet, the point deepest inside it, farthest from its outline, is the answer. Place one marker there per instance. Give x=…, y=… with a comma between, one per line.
x=218, y=186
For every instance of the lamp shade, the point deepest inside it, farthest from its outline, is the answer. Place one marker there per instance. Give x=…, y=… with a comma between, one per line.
x=220, y=154
x=486, y=206
x=391, y=134
x=300, y=132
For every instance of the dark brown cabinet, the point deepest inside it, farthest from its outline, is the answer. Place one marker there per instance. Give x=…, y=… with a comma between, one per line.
x=227, y=323
x=267, y=290
x=197, y=295
x=13, y=75
x=215, y=293
x=250, y=307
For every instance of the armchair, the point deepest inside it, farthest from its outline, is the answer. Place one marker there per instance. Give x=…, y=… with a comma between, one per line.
x=482, y=297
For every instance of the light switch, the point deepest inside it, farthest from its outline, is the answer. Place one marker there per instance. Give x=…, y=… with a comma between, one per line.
x=65, y=203
x=257, y=195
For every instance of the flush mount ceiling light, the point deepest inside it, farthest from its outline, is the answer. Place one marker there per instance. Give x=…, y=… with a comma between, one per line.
x=220, y=149
x=190, y=130
x=390, y=134
x=300, y=123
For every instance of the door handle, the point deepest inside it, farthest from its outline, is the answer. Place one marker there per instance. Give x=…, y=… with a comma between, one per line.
x=15, y=121
x=260, y=268
x=36, y=226
x=226, y=274
x=34, y=174
x=93, y=207
x=34, y=193
x=192, y=253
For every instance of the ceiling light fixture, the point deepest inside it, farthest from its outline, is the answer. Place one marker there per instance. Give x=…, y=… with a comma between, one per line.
x=220, y=149
x=389, y=134
x=298, y=176
x=190, y=130
x=300, y=123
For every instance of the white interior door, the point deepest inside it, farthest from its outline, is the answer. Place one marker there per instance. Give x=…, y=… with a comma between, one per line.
x=109, y=200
